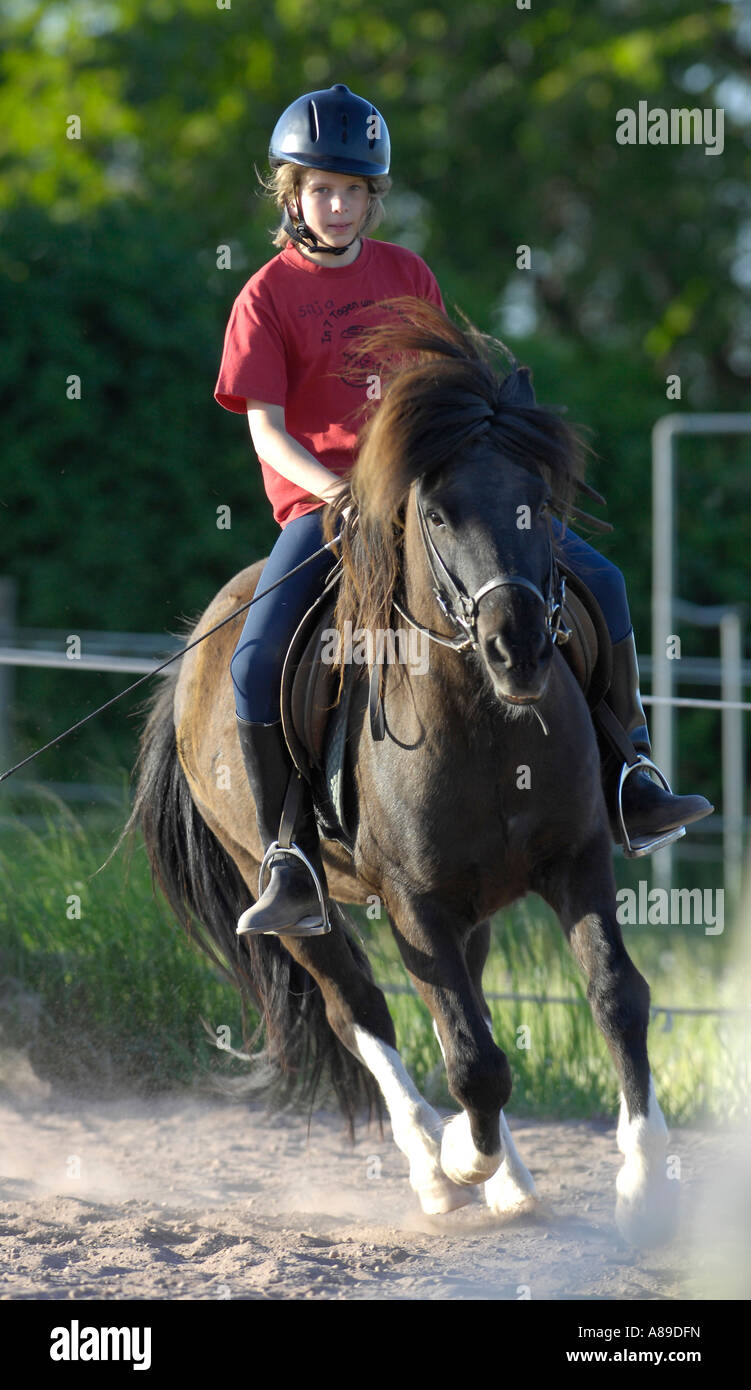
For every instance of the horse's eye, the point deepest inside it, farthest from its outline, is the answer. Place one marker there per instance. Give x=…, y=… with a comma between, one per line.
x=435, y=518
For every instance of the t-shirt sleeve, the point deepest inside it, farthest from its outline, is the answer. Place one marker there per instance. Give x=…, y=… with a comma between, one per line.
x=253, y=361
x=428, y=286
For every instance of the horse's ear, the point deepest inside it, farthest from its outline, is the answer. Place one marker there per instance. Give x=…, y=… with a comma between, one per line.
x=517, y=388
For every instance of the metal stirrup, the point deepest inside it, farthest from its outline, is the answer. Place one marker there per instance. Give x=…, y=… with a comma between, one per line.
x=310, y=925
x=642, y=844
x=619, y=741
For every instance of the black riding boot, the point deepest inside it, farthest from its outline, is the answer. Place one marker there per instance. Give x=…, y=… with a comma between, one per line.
x=653, y=816
x=289, y=905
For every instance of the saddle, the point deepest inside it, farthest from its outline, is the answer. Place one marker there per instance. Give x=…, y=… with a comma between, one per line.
x=316, y=719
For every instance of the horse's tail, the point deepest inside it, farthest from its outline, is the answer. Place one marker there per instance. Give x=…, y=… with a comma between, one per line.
x=206, y=891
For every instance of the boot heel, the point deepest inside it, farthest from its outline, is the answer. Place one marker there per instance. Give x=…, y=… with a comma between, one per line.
x=641, y=845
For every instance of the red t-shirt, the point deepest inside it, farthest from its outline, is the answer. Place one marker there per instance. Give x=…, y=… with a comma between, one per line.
x=287, y=344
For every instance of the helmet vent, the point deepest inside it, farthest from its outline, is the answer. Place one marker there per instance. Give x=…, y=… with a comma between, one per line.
x=313, y=121
x=345, y=127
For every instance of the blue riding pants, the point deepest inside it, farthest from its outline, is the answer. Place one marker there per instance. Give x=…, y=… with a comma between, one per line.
x=256, y=666
x=270, y=625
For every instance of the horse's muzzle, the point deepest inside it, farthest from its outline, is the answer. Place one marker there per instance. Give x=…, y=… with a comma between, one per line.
x=519, y=670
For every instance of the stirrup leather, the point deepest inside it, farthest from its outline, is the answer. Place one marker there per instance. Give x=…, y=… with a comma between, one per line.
x=308, y=926
x=642, y=844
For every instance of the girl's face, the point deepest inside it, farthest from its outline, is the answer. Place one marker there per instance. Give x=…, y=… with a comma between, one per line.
x=333, y=205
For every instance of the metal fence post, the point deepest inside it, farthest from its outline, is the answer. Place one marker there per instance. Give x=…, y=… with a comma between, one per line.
x=8, y=606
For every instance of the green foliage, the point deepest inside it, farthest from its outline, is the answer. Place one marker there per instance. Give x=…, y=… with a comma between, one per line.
x=113, y=498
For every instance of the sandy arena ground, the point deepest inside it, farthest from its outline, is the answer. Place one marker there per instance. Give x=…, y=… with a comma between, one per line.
x=197, y=1198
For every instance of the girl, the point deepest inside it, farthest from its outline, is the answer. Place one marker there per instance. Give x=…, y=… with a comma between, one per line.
x=286, y=364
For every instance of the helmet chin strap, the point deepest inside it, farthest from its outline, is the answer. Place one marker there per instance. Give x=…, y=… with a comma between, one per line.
x=301, y=233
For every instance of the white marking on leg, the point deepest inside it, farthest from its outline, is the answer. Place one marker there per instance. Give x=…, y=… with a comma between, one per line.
x=512, y=1187
x=416, y=1126
x=647, y=1208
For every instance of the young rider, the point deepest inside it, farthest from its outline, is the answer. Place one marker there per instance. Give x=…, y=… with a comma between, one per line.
x=286, y=365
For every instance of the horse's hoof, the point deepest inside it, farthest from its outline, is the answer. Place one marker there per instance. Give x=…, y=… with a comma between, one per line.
x=648, y=1217
x=460, y=1160
x=511, y=1194
x=443, y=1196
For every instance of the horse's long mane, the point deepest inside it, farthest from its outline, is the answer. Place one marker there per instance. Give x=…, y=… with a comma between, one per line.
x=442, y=394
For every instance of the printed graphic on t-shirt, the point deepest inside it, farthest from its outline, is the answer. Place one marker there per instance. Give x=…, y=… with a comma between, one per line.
x=336, y=327
x=356, y=370
x=330, y=312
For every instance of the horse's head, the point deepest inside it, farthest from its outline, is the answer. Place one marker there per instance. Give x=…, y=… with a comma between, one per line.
x=485, y=528
x=458, y=472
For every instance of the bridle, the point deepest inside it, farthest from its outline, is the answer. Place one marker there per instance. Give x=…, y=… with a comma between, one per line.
x=463, y=609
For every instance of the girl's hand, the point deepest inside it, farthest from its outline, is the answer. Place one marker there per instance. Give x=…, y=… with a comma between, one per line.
x=334, y=498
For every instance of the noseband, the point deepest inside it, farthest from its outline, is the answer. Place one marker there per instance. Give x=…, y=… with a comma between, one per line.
x=463, y=609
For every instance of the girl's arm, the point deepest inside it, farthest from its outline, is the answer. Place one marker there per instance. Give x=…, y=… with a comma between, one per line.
x=282, y=452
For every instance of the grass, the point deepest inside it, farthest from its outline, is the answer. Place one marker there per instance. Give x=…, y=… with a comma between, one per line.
x=114, y=998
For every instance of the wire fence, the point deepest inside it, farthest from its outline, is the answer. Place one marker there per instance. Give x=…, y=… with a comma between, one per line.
x=655, y=1010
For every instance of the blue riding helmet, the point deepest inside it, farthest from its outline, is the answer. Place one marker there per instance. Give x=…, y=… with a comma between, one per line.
x=332, y=129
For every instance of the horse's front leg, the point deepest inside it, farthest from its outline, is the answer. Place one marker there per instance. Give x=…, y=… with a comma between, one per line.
x=511, y=1189
x=416, y=1126
x=356, y=1010
x=478, y=1073
x=582, y=892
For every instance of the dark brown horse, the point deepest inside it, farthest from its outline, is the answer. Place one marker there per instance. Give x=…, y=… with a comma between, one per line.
x=485, y=787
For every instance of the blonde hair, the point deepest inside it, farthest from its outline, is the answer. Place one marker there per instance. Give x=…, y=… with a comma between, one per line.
x=283, y=184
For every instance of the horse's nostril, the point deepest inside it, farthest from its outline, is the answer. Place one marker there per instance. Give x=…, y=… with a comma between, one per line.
x=498, y=654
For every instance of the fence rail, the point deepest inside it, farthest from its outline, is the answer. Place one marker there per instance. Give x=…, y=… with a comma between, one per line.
x=123, y=653
x=693, y=671
x=655, y=1010
x=25, y=656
